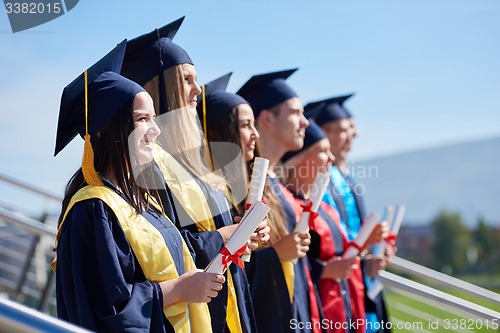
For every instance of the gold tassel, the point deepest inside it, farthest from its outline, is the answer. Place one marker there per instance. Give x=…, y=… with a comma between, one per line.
x=88, y=169
x=204, y=107
x=207, y=152
x=91, y=176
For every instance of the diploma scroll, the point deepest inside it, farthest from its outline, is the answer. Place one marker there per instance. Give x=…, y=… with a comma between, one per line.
x=366, y=229
x=257, y=184
x=379, y=249
x=318, y=190
x=374, y=285
x=255, y=214
x=396, y=224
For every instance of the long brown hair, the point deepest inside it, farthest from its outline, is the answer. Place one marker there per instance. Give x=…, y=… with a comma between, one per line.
x=181, y=135
x=275, y=218
x=112, y=156
x=227, y=129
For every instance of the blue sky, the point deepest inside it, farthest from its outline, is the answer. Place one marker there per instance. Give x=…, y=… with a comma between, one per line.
x=425, y=73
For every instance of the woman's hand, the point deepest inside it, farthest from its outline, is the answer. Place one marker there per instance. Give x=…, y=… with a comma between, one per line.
x=338, y=269
x=292, y=246
x=261, y=235
x=390, y=253
x=227, y=231
x=262, y=232
x=195, y=286
x=378, y=234
x=374, y=264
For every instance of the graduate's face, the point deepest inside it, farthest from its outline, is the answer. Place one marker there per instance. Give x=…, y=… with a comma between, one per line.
x=145, y=129
x=191, y=88
x=324, y=156
x=289, y=125
x=354, y=128
x=318, y=158
x=339, y=134
x=248, y=132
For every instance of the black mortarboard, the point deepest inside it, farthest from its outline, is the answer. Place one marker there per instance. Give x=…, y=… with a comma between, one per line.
x=327, y=110
x=314, y=133
x=265, y=91
x=91, y=101
x=214, y=102
x=148, y=55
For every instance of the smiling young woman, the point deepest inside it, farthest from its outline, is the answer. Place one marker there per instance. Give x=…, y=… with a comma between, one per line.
x=121, y=264
x=202, y=212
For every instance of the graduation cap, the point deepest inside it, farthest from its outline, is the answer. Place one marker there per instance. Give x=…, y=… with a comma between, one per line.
x=327, y=110
x=90, y=102
x=265, y=91
x=214, y=101
x=152, y=53
x=314, y=133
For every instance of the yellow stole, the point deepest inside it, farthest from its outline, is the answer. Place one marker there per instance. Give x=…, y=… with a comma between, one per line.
x=289, y=273
x=188, y=192
x=153, y=255
x=185, y=188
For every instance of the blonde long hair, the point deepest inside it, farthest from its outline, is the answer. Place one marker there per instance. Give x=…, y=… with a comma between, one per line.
x=182, y=135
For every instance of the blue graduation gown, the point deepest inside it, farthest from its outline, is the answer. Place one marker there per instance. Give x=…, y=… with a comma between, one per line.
x=99, y=282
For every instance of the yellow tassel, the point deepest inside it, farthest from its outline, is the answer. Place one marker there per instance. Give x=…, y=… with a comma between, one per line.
x=91, y=176
x=204, y=107
x=208, y=152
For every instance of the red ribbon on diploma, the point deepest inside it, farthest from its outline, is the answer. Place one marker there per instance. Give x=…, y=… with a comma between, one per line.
x=391, y=238
x=228, y=258
x=307, y=207
x=356, y=246
x=248, y=205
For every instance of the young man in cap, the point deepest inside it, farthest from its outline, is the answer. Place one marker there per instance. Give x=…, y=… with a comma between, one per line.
x=346, y=196
x=283, y=293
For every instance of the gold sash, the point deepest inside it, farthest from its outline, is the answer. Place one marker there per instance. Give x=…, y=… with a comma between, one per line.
x=188, y=192
x=153, y=256
x=185, y=188
x=289, y=273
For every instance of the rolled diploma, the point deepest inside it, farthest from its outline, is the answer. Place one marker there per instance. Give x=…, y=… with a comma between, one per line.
x=377, y=285
x=257, y=183
x=396, y=224
x=320, y=185
x=258, y=180
x=366, y=229
x=256, y=213
x=379, y=249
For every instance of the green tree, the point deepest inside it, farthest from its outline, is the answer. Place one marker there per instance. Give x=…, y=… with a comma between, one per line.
x=452, y=241
x=487, y=241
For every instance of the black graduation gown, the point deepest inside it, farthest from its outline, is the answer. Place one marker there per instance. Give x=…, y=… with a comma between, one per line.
x=204, y=246
x=273, y=310
x=99, y=282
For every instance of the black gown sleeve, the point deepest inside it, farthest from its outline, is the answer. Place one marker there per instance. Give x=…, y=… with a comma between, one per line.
x=272, y=306
x=100, y=284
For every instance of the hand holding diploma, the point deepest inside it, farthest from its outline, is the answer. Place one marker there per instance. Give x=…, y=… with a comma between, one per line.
x=318, y=190
x=379, y=249
x=237, y=243
x=357, y=244
x=257, y=184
